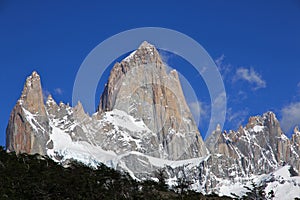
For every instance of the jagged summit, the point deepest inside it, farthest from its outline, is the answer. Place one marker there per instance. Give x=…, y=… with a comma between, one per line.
x=31, y=82
x=145, y=53
x=261, y=142
x=50, y=101
x=146, y=44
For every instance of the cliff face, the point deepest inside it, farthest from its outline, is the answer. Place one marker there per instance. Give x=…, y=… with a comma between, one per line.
x=141, y=86
x=28, y=127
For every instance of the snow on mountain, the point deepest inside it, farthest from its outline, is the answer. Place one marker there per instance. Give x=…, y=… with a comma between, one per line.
x=120, y=118
x=280, y=182
x=64, y=149
x=285, y=185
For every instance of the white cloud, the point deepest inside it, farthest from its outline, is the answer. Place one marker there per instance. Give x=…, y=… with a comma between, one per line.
x=290, y=116
x=58, y=91
x=251, y=76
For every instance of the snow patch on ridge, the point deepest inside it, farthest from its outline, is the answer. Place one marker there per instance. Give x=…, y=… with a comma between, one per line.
x=130, y=57
x=258, y=128
x=122, y=119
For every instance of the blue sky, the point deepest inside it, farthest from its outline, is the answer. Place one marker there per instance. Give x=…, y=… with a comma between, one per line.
x=256, y=45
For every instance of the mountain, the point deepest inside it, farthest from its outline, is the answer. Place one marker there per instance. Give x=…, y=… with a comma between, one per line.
x=143, y=124
x=141, y=86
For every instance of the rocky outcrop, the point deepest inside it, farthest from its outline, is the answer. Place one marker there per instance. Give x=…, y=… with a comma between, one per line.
x=258, y=148
x=28, y=127
x=141, y=86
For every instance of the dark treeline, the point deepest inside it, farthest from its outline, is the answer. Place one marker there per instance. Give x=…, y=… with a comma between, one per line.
x=38, y=177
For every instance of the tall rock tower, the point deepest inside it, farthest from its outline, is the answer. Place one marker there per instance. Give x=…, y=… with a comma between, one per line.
x=28, y=127
x=141, y=86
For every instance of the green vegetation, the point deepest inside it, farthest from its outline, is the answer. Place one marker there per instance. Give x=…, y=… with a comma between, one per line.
x=38, y=177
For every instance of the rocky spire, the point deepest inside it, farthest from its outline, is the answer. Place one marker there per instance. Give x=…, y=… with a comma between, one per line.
x=79, y=111
x=32, y=95
x=141, y=86
x=27, y=130
x=212, y=141
x=51, y=105
x=50, y=101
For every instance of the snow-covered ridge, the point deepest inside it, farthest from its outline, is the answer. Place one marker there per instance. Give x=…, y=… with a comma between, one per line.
x=67, y=149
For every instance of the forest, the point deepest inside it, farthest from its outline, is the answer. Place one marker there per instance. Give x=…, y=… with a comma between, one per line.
x=26, y=176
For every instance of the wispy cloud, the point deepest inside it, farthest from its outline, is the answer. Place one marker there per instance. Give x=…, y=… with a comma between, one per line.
x=219, y=104
x=242, y=95
x=199, y=110
x=290, y=116
x=224, y=68
x=220, y=100
x=219, y=60
x=46, y=93
x=165, y=56
x=251, y=76
x=237, y=97
x=237, y=117
x=58, y=91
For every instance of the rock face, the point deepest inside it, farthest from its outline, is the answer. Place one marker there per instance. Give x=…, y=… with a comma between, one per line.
x=141, y=86
x=28, y=127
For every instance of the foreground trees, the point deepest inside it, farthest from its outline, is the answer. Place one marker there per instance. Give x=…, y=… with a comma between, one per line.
x=38, y=177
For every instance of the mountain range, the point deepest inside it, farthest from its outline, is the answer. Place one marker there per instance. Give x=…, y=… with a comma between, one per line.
x=143, y=124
